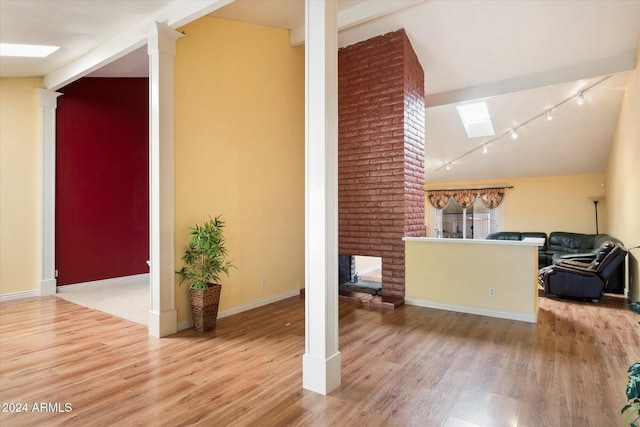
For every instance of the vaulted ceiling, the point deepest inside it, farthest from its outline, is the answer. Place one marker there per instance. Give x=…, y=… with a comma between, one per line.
x=521, y=57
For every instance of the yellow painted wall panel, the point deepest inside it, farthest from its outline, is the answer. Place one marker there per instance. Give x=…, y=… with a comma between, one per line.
x=239, y=152
x=623, y=178
x=461, y=273
x=19, y=184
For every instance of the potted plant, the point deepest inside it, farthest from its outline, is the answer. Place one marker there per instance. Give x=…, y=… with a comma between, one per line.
x=633, y=394
x=205, y=258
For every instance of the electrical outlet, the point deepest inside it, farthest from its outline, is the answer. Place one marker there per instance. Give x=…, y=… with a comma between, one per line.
x=492, y=292
x=263, y=282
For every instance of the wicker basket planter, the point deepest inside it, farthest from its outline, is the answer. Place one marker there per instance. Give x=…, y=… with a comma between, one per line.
x=204, y=261
x=204, y=307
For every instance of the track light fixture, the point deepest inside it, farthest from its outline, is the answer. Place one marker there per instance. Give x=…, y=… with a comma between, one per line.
x=514, y=131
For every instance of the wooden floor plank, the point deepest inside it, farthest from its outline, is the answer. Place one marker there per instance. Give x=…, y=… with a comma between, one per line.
x=408, y=367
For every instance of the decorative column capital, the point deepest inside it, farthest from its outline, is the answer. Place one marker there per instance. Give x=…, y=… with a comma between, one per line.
x=162, y=38
x=48, y=98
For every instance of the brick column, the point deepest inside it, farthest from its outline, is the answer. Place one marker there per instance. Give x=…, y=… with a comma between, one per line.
x=381, y=152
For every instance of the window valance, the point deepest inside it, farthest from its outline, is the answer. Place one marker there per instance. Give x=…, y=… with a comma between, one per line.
x=491, y=196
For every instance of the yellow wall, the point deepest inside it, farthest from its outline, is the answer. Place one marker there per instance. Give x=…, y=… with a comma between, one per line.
x=239, y=152
x=460, y=273
x=19, y=184
x=623, y=178
x=549, y=203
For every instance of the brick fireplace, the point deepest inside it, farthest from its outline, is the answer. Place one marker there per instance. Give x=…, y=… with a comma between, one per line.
x=381, y=153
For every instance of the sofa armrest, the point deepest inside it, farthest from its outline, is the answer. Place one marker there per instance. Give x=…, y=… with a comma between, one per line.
x=573, y=268
x=573, y=263
x=585, y=257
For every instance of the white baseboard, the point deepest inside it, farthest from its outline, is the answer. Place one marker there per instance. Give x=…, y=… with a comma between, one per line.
x=258, y=303
x=185, y=324
x=19, y=295
x=501, y=314
x=188, y=323
x=162, y=324
x=47, y=287
x=105, y=282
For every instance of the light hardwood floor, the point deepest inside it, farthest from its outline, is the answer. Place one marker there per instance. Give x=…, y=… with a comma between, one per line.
x=409, y=367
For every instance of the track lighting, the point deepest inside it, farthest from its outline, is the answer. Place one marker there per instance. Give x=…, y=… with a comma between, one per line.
x=514, y=131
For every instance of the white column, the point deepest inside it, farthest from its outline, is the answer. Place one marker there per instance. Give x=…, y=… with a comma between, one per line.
x=163, y=319
x=321, y=361
x=48, y=105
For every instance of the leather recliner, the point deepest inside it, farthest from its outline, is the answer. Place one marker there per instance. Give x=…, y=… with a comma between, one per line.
x=576, y=279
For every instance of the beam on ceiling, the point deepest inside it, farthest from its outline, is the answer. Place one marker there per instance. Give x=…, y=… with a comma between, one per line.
x=357, y=14
x=174, y=15
x=611, y=65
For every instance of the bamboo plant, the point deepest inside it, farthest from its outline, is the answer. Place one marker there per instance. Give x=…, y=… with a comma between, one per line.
x=205, y=257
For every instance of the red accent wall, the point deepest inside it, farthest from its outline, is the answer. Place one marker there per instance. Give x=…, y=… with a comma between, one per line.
x=380, y=152
x=102, y=179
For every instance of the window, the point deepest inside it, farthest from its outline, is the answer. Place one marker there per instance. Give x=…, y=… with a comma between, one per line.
x=475, y=222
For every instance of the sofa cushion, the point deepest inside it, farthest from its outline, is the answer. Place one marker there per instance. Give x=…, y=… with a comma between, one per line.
x=569, y=242
x=588, y=241
x=505, y=235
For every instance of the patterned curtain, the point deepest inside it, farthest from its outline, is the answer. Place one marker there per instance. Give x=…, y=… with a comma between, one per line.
x=439, y=199
x=464, y=198
x=492, y=197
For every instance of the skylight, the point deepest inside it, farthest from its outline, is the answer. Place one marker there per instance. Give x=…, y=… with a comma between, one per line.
x=476, y=119
x=26, y=50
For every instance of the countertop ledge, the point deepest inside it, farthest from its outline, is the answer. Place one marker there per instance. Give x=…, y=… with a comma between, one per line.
x=471, y=241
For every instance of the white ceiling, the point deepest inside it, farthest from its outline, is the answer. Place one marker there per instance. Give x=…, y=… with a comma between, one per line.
x=78, y=26
x=522, y=57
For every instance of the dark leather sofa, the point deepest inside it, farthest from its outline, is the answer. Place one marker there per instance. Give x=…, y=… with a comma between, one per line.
x=560, y=245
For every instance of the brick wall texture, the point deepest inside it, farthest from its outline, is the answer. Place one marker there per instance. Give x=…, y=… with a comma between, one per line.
x=381, y=152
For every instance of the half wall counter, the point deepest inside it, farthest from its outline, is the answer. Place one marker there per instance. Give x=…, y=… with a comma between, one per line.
x=485, y=277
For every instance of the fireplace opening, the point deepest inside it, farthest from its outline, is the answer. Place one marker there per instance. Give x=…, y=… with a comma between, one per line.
x=360, y=274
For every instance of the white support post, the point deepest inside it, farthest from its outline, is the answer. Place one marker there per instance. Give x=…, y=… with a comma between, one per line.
x=48, y=105
x=163, y=318
x=321, y=362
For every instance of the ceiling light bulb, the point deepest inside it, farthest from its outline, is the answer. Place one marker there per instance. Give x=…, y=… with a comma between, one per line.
x=580, y=99
x=484, y=149
x=448, y=165
x=514, y=134
x=549, y=116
